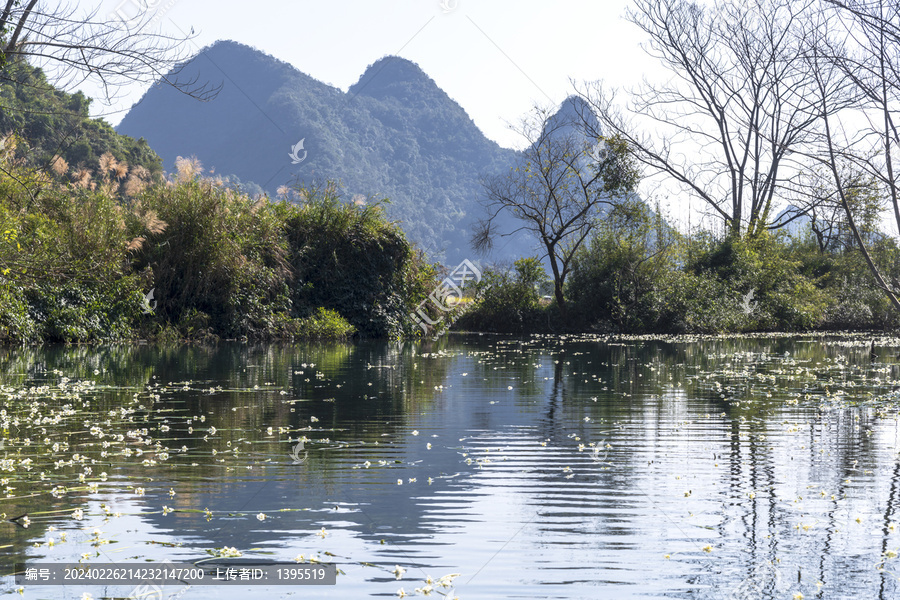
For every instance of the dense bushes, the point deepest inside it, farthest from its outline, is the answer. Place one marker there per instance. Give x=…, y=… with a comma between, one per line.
x=77, y=257
x=620, y=276
x=637, y=275
x=780, y=296
x=508, y=301
x=854, y=299
x=349, y=258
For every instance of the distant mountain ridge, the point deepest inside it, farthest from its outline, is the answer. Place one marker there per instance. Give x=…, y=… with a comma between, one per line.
x=393, y=134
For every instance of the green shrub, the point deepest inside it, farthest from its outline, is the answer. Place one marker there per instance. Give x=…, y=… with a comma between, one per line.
x=622, y=278
x=855, y=299
x=699, y=303
x=79, y=312
x=76, y=259
x=325, y=324
x=16, y=324
x=351, y=259
x=507, y=301
x=253, y=267
x=784, y=297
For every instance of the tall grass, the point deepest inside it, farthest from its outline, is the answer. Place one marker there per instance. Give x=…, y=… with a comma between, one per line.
x=79, y=251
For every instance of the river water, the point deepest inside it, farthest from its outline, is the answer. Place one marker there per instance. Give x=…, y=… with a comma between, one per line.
x=544, y=467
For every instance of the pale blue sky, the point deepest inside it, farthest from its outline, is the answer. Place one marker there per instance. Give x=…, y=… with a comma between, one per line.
x=496, y=58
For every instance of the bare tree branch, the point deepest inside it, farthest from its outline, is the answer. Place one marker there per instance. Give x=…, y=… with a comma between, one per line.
x=559, y=186
x=869, y=68
x=736, y=110
x=73, y=47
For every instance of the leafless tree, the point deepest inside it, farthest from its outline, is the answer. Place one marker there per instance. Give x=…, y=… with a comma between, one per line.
x=559, y=187
x=112, y=51
x=728, y=123
x=822, y=205
x=858, y=44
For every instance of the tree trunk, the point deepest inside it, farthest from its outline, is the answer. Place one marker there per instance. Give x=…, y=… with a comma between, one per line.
x=557, y=280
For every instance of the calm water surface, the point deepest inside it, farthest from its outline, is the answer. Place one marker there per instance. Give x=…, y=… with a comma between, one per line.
x=533, y=468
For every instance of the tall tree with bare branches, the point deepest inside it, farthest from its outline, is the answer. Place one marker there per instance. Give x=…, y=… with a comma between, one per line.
x=728, y=124
x=559, y=187
x=857, y=46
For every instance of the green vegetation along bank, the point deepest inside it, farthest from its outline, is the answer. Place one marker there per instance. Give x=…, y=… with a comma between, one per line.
x=82, y=259
x=97, y=244
x=638, y=275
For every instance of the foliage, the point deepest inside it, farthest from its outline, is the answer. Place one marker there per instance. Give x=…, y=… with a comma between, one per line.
x=76, y=261
x=618, y=278
x=325, y=324
x=56, y=124
x=15, y=322
x=508, y=300
x=349, y=258
x=855, y=299
x=782, y=297
x=636, y=275
x=253, y=267
x=78, y=312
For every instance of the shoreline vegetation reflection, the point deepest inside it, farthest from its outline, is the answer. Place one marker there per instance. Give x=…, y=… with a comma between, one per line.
x=475, y=466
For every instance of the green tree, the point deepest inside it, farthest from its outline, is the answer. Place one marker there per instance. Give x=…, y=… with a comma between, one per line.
x=622, y=275
x=560, y=187
x=508, y=299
